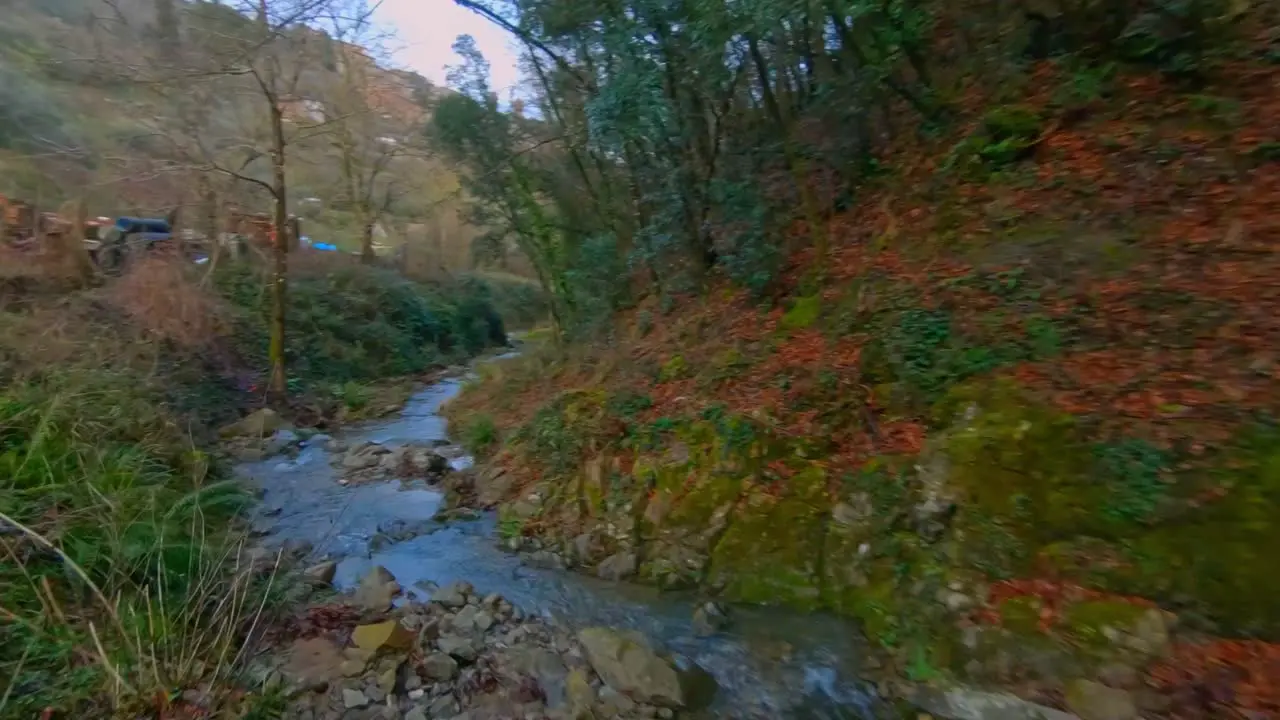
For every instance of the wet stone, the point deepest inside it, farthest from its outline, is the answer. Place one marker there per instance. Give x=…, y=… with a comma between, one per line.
x=353, y=699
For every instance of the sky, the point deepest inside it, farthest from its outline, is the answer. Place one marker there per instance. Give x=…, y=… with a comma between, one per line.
x=424, y=34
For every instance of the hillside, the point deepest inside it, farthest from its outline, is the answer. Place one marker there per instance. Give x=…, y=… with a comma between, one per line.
x=93, y=109
x=1003, y=389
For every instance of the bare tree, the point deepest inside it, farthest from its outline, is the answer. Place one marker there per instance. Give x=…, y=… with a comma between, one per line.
x=372, y=132
x=232, y=105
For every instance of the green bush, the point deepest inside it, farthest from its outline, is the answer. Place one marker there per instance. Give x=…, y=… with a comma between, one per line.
x=480, y=435
x=359, y=323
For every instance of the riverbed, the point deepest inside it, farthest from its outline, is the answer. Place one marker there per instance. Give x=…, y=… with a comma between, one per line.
x=770, y=663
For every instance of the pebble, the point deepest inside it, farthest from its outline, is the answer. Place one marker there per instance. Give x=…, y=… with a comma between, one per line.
x=353, y=699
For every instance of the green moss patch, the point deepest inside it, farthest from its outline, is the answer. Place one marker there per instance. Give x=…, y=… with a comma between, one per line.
x=772, y=550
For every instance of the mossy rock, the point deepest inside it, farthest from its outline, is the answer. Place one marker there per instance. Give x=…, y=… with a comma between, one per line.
x=1220, y=556
x=1019, y=467
x=772, y=550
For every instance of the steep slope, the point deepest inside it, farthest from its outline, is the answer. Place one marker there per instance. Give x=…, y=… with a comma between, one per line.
x=1021, y=427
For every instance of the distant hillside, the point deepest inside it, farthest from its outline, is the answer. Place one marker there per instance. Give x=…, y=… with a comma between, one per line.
x=82, y=115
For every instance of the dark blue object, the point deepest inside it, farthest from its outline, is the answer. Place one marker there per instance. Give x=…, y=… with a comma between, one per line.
x=131, y=225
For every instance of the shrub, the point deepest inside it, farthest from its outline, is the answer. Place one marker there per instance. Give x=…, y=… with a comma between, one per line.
x=480, y=435
x=357, y=323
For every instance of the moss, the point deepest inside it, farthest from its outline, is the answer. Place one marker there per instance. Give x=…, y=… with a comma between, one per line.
x=1220, y=556
x=673, y=369
x=1012, y=121
x=875, y=607
x=1019, y=466
x=772, y=550
x=803, y=313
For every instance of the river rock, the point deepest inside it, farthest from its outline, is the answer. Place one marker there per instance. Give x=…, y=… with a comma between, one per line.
x=967, y=704
x=258, y=424
x=453, y=595
x=582, y=697
x=626, y=661
x=416, y=713
x=439, y=667
x=387, y=635
x=709, y=619
x=319, y=440
x=312, y=662
x=618, y=566
x=514, y=664
x=377, y=589
x=493, y=486
x=364, y=456
x=280, y=440
x=461, y=647
x=544, y=559
x=445, y=706
x=352, y=699
x=322, y=573
x=1095, y=701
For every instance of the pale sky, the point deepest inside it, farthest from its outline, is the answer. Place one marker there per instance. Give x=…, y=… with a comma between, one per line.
x=425, y=31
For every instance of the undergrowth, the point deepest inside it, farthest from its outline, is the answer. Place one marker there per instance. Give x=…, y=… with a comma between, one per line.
x=123, y=581
x=357, y=323
x=120, y=581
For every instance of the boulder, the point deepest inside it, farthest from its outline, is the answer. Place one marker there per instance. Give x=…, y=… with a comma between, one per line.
x=258, y=424
x=626, y=662
x=387, y=635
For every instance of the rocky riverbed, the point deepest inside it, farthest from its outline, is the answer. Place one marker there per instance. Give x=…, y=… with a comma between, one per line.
x=463, y=655
x=423, y=613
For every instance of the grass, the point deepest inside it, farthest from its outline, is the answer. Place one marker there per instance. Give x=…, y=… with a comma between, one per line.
x=121, y=583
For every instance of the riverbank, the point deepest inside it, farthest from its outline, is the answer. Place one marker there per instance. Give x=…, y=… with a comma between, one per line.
x=368, y=508
x=125, y=564
x=1016, y=424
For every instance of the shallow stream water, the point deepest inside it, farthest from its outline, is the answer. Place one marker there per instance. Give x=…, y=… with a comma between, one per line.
x=770, y=664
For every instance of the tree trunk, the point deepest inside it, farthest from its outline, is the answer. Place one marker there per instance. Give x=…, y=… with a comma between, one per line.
x=367, y=255
x=212, y=235
x=280, y=265
x=73, y=249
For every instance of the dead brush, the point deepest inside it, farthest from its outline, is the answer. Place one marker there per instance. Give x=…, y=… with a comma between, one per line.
x=163, y=299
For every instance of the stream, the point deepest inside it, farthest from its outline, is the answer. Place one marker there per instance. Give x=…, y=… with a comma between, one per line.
x=770, y=663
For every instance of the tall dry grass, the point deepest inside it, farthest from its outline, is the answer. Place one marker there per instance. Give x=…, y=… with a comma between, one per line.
x=168, y=302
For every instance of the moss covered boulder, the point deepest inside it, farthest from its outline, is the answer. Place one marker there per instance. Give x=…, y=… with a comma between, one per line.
x=772, y=551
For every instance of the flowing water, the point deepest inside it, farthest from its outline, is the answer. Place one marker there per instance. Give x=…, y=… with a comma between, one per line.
x=770, y=664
